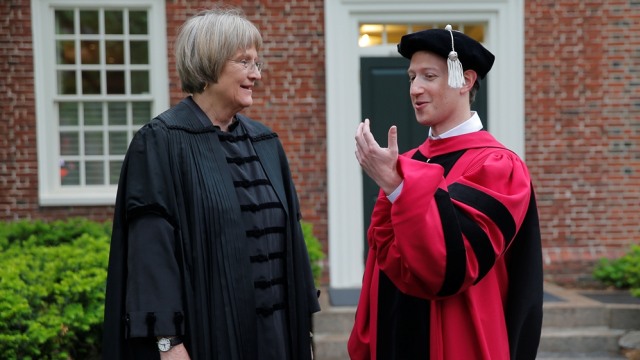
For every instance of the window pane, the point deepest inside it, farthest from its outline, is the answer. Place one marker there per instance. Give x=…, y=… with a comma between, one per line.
x=139, y=52
x=95, y=172
x=69, y=174
x=113, y=22
x=93, y=113
x=91, y=82
x=137, y=22
x=93, y=143
x=115, y=82
x=89, y=22
x=66, y=82
x=395, y=32
x=90, y=52
x=141, y=112
x=370, y=34
x=64, y=22
x=139, y=82
x=69, y=143
x=117, y=113
x=475, y=32
x=117, y=142
x=420, y=27
x=115, y=52
x=114, y=172
x=66, y=52
x=68, y=114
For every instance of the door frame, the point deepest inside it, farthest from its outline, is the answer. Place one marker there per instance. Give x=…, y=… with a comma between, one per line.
x=504, y=37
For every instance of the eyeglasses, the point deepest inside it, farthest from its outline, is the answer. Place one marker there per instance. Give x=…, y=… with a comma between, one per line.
x=249, y=65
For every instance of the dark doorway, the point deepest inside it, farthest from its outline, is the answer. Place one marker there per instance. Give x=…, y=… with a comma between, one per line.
x=385, y=102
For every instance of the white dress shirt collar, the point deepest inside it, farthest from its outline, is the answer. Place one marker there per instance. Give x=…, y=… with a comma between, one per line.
x=473, y=124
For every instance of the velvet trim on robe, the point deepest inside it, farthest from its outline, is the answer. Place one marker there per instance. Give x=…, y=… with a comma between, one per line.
x=466, y=243
x=175, y=172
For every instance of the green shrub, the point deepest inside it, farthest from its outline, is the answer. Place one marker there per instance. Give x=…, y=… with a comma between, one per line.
x=315, y=250
x=52, y=284
x=52, y=287
x=622, y=273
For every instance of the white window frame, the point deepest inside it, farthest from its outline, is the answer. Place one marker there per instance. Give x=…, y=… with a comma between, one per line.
x=504, y=37
x=50, y=193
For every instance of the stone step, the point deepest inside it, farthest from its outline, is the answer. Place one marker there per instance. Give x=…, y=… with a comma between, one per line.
x=340, y=320
x=579, y=355
x=576, y=325
x=571, y=315
x=330, y=346
x=335, y=320
x=583, y=339
x=556, y=343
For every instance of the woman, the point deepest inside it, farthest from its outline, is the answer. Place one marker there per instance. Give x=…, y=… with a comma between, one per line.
x=207, y=257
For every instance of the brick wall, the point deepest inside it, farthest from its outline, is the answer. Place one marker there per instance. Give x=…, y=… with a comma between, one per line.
x=582, y=80
x=582, y=95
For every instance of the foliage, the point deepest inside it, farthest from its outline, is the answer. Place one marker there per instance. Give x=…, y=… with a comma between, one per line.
x=52, y=287
x=52, y=284
x=622, y=273
x=315, y=250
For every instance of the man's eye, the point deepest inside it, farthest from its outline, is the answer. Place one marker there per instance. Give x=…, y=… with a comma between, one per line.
x=244, y=63
x=411, y=78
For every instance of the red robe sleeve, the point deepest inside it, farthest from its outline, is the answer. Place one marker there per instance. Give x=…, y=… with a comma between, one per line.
x=441, y=236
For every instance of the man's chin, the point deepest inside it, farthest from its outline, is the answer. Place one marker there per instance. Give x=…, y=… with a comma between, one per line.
x=423, y=121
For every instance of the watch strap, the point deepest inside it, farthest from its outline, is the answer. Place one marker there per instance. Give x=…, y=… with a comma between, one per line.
x=176, y=340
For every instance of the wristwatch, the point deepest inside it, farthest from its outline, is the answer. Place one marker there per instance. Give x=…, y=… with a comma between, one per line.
x=165, y=344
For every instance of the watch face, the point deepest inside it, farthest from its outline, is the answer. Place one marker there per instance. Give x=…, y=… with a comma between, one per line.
x=164, y=344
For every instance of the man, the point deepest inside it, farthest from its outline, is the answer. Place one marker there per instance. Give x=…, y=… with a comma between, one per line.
x=454, y=269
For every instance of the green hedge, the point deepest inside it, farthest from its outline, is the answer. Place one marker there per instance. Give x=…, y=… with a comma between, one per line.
x=314, y=248
x=52, y=286
x=622, y=273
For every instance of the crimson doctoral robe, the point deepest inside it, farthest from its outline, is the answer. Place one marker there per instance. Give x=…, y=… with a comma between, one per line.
x=454, y=269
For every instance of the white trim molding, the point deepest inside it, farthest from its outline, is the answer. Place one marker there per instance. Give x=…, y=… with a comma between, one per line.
x=504, y=37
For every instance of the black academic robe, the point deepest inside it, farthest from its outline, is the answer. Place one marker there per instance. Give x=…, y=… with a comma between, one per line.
x=175, y=190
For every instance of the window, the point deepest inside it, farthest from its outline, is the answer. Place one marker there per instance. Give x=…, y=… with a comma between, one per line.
x=97, y=86
x=390, y=34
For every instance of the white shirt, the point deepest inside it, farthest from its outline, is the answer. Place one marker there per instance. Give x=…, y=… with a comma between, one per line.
x=473, y=124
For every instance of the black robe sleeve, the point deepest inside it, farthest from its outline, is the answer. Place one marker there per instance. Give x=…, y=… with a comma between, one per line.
x=153, y=301
x=153, y=294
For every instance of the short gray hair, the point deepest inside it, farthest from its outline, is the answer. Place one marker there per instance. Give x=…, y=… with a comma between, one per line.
x=207, y=41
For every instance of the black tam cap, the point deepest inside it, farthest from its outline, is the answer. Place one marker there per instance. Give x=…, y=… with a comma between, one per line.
x=461, y=51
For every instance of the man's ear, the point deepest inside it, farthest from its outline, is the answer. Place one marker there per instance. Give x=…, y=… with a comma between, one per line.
x=470, y=77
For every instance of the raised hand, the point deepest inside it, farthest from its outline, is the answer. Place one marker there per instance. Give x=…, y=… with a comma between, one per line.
x=378, y=162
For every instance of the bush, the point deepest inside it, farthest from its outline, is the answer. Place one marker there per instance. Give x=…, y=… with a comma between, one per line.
x=52, y=285
x=622, y=273
x=315, y=251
